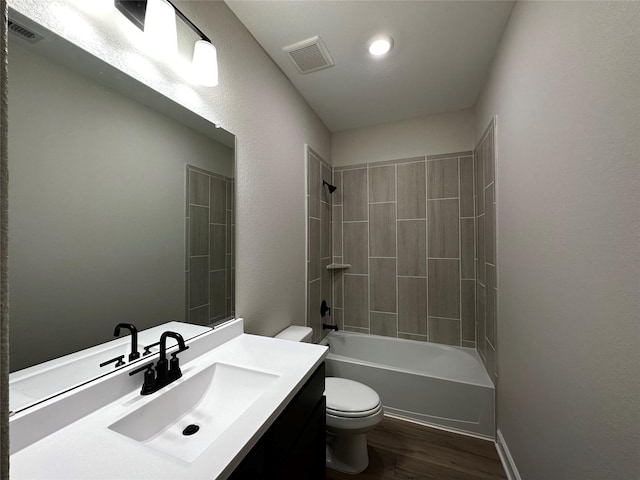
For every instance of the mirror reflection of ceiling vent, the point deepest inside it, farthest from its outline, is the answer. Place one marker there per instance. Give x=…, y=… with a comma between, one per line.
x=23, y=32
x=309, y=55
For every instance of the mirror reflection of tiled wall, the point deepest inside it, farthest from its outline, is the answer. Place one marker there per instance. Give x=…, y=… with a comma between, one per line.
x=209, y=265
x=406, y=227
x=486, y=248
x=318, y=242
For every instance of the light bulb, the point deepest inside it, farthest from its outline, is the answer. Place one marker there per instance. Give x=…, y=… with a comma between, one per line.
x=380, y=44
x=160, y=26
x=205, y=63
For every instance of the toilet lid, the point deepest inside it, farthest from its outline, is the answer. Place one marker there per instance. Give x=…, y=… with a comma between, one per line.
x=347, y=396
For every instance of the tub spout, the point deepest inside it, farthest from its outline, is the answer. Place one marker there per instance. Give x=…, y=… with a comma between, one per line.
x=326, y=326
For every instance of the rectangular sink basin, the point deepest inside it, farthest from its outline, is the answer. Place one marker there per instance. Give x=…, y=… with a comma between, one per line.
x=211, y=400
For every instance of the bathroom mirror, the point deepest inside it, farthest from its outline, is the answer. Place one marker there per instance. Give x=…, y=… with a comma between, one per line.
x=111, y=186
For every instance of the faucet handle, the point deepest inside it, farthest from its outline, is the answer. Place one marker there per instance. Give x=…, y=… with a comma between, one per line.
x=174, y=365
x=147, y=367
x=147, y=349
x=324, y=309
x=150, y=381
x=119, y=361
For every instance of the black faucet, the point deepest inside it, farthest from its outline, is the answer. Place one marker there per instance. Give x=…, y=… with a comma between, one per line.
x=172, y=369
x=326, y=326
x=165, y=372
x=134, y=355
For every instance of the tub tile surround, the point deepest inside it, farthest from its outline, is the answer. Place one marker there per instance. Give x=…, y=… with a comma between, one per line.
x=407, y=228
x=413, y=231
x=319, y=242
x=209, y=262
x=486, y=278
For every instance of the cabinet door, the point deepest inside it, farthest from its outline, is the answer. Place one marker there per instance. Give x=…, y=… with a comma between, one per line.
x=307, y=457
x=290, y=424
x=294, y=446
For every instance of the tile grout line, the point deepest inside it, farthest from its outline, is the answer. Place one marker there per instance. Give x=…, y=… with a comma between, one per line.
x=426, y=242
x=476, y=241
x=342, y=243
x=209, y=299
x=460, y=249
x=307, y=235
x=445, y=318
x=395, y=184
x=368, y=251
x=475, y=246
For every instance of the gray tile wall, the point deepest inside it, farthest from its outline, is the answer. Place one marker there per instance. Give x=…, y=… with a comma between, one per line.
x=487, y=286
x=319, y=242
x=407, y=229
x=209, y=231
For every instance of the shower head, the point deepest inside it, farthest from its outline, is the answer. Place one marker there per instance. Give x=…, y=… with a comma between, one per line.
x=331, y=187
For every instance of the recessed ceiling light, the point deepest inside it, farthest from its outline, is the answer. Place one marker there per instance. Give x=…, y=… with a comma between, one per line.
x=380, y=44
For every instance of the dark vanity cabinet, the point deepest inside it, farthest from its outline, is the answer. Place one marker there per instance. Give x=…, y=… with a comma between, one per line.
x=294, y=446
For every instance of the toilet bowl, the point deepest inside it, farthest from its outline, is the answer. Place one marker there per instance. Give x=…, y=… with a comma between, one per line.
x=352, y=410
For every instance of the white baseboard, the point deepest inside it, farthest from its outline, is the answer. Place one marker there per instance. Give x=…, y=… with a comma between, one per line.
x=507, y=460
x=412, y=418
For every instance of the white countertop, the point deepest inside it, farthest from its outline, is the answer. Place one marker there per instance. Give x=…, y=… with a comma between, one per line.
x=88, y=449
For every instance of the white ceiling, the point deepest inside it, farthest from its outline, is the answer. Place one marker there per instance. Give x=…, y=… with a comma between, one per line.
x=442, y=53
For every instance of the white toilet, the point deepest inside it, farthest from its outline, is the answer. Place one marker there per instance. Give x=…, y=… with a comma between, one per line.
x=352, y=410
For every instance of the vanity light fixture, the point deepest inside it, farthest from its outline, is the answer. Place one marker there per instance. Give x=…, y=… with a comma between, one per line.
x=380, y=45
x=157, y=18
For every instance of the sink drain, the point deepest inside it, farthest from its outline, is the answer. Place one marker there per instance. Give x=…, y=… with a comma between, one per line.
x=190, y=430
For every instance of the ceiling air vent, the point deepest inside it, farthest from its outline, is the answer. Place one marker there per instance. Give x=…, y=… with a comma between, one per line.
x=309, y=55
x=23, y=32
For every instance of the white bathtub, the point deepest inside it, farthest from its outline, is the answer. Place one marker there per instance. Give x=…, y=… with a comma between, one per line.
x=437, y=385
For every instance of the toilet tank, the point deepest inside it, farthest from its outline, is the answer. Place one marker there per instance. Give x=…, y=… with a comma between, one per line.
x=296, y=334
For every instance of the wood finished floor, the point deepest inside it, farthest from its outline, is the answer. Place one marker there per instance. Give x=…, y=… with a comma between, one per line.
x=404, y=450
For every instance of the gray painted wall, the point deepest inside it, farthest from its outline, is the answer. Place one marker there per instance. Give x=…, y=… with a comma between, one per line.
x=415, y=137
x=565, y=86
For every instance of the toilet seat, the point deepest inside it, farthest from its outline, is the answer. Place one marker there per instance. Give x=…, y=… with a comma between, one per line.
x=365, y=413
x=349, y=399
